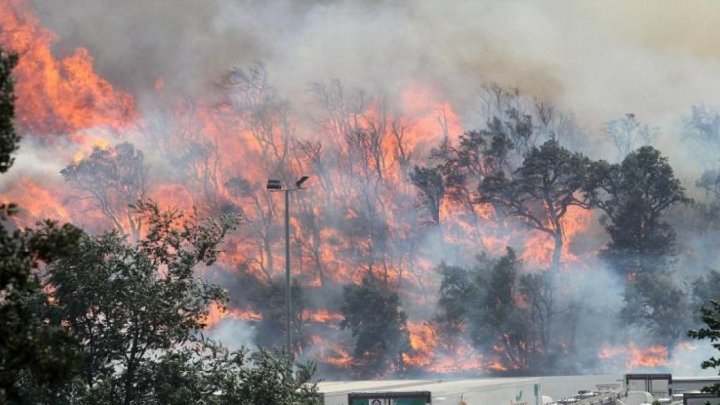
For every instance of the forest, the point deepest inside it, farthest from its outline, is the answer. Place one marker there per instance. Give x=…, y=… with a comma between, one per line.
x=142, y=250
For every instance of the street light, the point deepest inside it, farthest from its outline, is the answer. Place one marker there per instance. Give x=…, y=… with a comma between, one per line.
x=274, y=185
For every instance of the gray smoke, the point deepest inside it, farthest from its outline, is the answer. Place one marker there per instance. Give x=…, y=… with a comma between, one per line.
x=598, y=60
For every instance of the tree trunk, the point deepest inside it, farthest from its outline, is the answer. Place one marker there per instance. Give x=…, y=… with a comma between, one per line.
x=557, y=252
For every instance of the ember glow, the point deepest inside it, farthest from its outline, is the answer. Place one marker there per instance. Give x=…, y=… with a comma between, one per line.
x=57, y=96
x=215, y=148
x=635, y=357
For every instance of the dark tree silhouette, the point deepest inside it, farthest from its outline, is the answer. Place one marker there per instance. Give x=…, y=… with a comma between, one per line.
x=30, y=348
x=115, y=179
x=550, y=180
x=633, y=195
x=8, y=136
x=372, y=313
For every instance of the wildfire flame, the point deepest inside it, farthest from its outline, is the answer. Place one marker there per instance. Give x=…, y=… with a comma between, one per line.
x=57, y=96
x=65, y=97
x=635, y=356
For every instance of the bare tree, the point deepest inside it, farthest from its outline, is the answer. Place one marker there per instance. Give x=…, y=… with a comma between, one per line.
x=193, y=154
x=260, y=210
x=363, y=159
x=113, y=179
x=252, y=106
x=628, y=134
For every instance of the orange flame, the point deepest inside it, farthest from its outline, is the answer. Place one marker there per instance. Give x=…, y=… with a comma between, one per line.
x=216, y=313
x=636, y=356
x=57, y=95
x=65, y=96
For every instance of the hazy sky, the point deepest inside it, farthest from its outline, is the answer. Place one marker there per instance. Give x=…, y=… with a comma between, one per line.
x=599, y=59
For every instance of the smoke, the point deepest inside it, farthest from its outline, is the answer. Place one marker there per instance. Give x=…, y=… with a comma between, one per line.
x=234, y=334
x=597, y=60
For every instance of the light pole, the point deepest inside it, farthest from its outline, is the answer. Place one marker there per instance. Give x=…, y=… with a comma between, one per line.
x=276, y=185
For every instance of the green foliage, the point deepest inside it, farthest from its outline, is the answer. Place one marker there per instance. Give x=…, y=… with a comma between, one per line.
x=489, y=150
x=137, y=313
x=633, y=195
x=711, y=317
x=654, y=302
x=211, y=374
x=705, y=289
x=127, y=303
x=372, y=313
x=457, y=290
x=270, y=300
x=8, y=136
x=30, y=348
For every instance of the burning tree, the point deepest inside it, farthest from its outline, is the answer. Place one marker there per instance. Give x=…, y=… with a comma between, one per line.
x=372, y=313
x=539, y=193
x=366, y=166
x=359, y=220
x=710, y=315
x=30, y=347
x=480, y=154
x=114, y=179
x=256, y=200
x=252, y=107
x=8, y=136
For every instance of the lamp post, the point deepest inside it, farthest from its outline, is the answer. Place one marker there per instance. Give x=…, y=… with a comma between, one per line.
x=274, y=185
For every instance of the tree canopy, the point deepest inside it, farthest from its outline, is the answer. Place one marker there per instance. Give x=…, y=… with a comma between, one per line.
x=549, y=181
x=372, y=313
x=29, y=347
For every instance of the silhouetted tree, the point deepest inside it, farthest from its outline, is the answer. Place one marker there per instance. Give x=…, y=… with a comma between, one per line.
x=457, y=294
x=703, y=127
x=8, y=136
x=710, y=315
x=705, y=288
x=270, y=301
x=372, y=313
x=633, y=195
x=431, y=187
x=550, y=180
x=627, y=133
x=114, y=178
x=30, y=347
x=507, y=314
x=656, y=303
